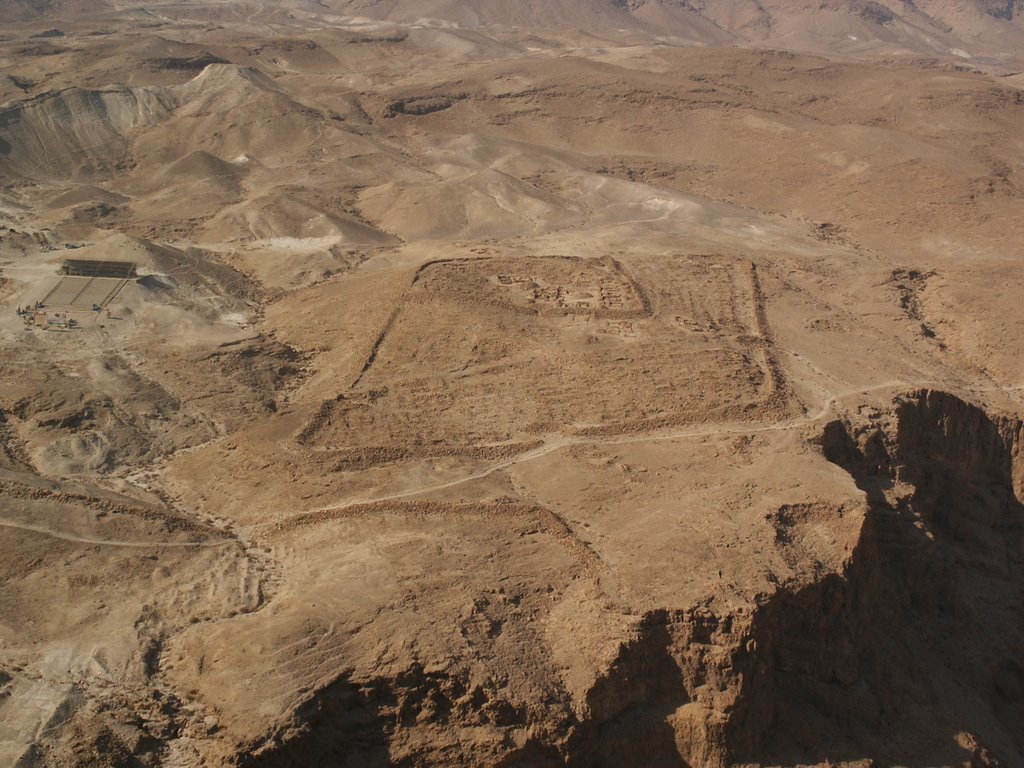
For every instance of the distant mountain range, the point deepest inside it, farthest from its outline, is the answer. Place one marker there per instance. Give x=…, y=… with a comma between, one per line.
x=987, y=32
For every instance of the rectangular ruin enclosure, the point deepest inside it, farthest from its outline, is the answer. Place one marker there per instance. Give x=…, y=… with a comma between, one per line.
x=590, y=346
x=120, y=270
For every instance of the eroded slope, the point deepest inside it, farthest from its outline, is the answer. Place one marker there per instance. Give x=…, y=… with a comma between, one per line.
x=485, y=399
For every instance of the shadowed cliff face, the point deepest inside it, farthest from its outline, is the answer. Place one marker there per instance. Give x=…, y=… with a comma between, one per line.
x=909, y=656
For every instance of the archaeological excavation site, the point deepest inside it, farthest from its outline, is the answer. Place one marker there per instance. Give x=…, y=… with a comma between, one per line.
x=509, y=384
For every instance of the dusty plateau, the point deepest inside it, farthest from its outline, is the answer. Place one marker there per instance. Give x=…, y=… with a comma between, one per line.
x=590, y=385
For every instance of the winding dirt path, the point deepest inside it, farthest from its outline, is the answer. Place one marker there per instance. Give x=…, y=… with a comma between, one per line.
x=557, y=443
x=111, y=542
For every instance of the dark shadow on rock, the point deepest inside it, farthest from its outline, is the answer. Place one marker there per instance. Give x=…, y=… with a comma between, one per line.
x=340, y=727
x=865, y=458
x=533, y=754
x=158, y=282
x=912, y=656
x=631, y=705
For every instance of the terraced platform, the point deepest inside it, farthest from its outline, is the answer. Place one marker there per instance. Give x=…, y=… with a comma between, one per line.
x=84, y=292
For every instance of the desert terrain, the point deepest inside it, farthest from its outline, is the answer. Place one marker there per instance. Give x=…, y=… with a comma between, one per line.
x=512, y=384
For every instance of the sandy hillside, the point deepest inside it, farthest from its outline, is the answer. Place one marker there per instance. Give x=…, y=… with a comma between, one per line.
x=580, y=383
